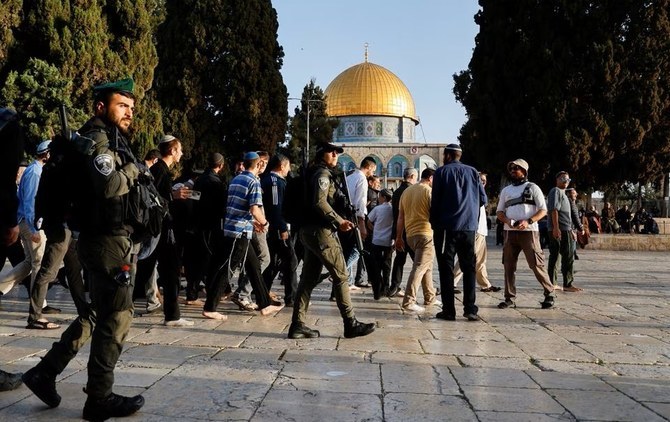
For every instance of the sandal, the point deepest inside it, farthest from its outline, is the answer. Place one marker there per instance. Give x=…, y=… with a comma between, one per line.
x=42, y=325
x=491, y=289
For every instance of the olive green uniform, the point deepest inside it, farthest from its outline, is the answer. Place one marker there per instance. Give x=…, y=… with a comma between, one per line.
x=104, y=247
x=322, y=245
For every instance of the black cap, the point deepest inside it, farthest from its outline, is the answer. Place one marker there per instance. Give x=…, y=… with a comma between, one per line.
x=328, y=147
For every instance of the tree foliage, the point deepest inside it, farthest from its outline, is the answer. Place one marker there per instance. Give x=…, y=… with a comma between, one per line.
x=570, y=85
x=89, y=42
x=321, y=126
x=219, y=75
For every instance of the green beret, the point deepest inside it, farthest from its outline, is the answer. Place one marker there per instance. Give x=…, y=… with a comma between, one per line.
x=123, y=85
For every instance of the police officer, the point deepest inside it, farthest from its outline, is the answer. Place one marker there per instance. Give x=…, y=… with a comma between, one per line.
x=322, y=246
x=104, y=248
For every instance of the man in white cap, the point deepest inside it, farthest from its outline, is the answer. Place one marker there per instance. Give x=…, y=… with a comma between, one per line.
x=520, y=206
x=32, y=237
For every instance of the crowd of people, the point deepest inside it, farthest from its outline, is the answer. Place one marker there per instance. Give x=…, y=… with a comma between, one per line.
x=260, y=223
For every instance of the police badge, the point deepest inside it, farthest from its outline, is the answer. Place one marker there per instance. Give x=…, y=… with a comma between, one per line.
x=104, y=163
x=324, y=183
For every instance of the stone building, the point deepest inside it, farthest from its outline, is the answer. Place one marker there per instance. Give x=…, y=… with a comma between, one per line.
x=378, y=119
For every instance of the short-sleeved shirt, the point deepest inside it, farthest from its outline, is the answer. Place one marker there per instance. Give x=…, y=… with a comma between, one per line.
x=524, y=211
x=244, y=192
x=415, y=205
x=558, y=200
x=382, y=218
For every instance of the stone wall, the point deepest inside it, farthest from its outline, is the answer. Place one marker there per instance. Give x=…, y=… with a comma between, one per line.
x=630, y=242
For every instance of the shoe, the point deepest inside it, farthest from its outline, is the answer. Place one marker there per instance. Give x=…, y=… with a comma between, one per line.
x=112, y=406
x=362, y=284
x=324, y=276
x=457, y=292
x=471, y=317
x=332, y=299
x=300, y=330
x=548, y=302
x=443, y=315
x=181, y=322
x=50, y=310
x=491, y=289
x=43, y=386
x=158, y=308
x=354, y=328
x=393, y=291
x=244, y=305
x=434, y=302
x=415, y=308
x=9, y=381
x=42, y=325
x=508, y=303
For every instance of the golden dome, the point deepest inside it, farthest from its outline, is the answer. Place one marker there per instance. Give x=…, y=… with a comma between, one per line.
x=368, y=89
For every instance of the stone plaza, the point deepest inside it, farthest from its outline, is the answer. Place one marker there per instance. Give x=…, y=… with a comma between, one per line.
x=600, y=355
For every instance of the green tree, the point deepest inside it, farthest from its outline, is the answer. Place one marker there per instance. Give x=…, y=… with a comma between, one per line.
x=219, y=79
x=90, y=42
x=321, y=126
x=570, y=84
x=38, y=92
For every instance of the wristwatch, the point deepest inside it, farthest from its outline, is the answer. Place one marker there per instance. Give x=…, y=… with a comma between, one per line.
x=530, y=221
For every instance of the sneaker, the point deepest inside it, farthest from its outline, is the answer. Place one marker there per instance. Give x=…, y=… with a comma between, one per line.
x=434, y=302
x=244, y=304
x=471, y=317
x=508, y=303
x=181, y=322
x=354, y=328
x=364, y=284
x=43, y=386
x=415, y=308
x=491, y=289
x=9, y=381
x=112, y=406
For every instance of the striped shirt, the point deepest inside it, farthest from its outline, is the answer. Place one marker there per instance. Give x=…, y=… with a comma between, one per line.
x=244, y=192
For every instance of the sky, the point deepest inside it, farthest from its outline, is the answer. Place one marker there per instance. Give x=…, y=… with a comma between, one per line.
x=423, y=42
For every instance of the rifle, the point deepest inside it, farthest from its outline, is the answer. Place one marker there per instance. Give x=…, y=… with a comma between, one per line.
x=350, y=214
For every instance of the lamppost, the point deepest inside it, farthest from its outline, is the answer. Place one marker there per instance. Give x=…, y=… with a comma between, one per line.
x=308, y=101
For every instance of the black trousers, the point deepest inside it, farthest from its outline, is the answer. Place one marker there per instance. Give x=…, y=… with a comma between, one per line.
x=284, y=259
x=448, y=244
x=379, y=272
x=229, y=255
x=167, y=256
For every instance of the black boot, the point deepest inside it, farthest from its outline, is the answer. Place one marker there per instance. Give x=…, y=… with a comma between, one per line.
x=9, y=381
x=300, y=330
x=354, y=328
x=112, y=406
x=43, y=385
x=548, y=302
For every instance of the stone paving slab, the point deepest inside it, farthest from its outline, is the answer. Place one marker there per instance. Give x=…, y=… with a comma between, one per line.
x=602, y=354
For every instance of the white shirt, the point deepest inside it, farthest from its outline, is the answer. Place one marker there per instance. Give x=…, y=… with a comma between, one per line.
x=483, y=228
x=357, y=184
x=381, y=217
x=521, y=212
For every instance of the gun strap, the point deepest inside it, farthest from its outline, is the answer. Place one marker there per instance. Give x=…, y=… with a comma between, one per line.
x=525, y=198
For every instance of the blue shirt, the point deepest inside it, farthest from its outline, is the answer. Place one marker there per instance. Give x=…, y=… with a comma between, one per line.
x=30, y=181
x=243, y=192
x=457, y=197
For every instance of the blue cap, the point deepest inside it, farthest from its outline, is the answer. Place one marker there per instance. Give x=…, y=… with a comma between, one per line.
x=251, y=155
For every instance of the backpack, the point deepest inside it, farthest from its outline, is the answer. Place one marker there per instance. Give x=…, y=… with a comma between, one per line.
x=145, y=208
x=295, y=204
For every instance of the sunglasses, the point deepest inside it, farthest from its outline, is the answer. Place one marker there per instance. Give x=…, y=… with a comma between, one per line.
x=564, y=179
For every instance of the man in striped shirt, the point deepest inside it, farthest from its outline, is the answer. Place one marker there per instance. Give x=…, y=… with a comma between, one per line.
x=244, y=215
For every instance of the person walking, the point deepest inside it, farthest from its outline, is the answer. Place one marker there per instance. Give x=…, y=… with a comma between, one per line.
x=104, y=248
x=410, y=177
x=322, y=247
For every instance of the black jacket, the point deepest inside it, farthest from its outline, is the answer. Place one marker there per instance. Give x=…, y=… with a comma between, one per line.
x=210, y=210
x=274, y=187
